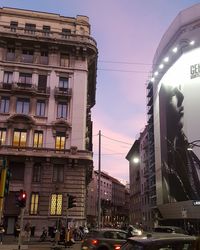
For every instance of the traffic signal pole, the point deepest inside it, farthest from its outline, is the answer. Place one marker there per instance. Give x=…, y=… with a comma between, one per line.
x=21, y=227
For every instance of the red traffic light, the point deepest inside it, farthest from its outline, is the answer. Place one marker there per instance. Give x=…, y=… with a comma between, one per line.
x=21, y=198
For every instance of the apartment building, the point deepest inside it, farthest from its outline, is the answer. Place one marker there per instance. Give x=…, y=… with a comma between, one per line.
x=114, y=201
x=47, y=91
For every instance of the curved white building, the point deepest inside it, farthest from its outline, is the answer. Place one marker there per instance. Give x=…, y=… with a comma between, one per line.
x=174, y=122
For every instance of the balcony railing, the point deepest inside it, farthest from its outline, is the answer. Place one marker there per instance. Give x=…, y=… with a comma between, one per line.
x=62, y=92
x=51, y=35
x=43, y=152
x=25, y=87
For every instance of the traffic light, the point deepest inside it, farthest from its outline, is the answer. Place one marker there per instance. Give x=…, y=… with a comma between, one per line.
x=71, y=201
x=21, y=198
x=7, y=181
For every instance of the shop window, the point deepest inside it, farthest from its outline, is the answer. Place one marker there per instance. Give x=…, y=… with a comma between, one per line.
x=56, y=204
x=34, y=203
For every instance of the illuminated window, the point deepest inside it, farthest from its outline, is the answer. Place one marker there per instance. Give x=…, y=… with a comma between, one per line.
x=22, y=106
x=40, y=109
x=36, y=172
x=5, y=103
x=56, y=204
x=62, y=110
x=60, y=141
x=58, y=173
x=34, y=203
x=2, y=136
x=19, y=138
x=38, y=139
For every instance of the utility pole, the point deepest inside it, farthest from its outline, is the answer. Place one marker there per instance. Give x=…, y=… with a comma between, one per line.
x=99, y=182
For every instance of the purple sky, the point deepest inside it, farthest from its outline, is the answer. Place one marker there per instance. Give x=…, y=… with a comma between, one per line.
x=127, y=33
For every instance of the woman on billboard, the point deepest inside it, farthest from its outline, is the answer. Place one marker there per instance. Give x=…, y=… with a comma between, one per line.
x=181, y=166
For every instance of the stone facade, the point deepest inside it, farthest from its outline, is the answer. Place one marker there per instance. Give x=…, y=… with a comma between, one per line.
x=47, y=90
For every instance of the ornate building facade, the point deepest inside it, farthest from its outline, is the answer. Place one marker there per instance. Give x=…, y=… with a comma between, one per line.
x=47, y=90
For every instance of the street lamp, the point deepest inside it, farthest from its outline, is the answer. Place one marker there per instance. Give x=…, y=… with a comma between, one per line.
x=136, y=160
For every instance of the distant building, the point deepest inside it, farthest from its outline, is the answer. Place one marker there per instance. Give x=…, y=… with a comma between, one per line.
x=47, y=90
x=113, y=197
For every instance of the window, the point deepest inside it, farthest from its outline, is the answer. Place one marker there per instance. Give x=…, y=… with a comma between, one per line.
x=58, y=173
x=64, y=60
x=63, y=83
x=40, y=109
x=22, y=106
x=38, y=139
x=19, y=138
x=30, y=28
x=17, y=170
x=5, y=103
x=66, y=31
x=42, y=83
x=46, y=30
x=10, y=54
x=2, y=136
x=27, y=56
x=60, y=140
x=36, y=172
x=62, y=110
x=25, y=78
x=8, y=77
x=44, y=57
x=34, y=203
x=56, y=204
x=13, y=26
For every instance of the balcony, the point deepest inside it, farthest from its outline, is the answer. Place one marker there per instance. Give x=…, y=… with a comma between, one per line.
x=24, y=88
x=55, y=37
x=62, y=92
x=43, y=152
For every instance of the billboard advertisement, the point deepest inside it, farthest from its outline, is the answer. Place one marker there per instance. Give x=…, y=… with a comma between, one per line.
x=179, y=116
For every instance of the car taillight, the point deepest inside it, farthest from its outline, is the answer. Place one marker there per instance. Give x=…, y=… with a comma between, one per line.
x=94, y=242
x=117, y=247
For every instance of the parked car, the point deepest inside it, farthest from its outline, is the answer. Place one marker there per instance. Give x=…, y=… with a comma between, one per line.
x=169, y=229
x=104, y=239
x=160, y=241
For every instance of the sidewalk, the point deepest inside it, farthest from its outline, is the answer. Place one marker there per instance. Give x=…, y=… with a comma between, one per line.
x=10, y=243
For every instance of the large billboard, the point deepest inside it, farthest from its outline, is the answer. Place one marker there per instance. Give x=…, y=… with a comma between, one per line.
x=179, y=121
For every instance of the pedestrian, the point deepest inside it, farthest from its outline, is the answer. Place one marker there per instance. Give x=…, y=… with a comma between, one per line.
x=2, y=231
x=27, y=230
x=16, y=230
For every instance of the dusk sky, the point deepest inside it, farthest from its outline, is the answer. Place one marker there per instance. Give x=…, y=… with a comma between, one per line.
x=127, y=34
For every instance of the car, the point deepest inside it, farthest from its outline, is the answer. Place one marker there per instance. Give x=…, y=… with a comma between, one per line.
x=160, y=241
x=104, y=239
x=134, y=231
x=169, y=229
